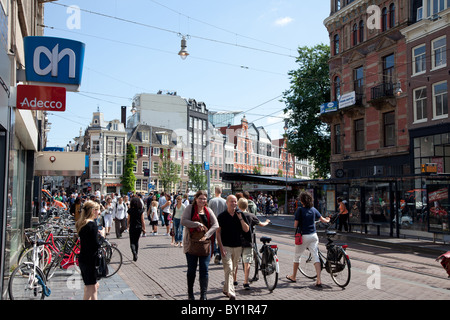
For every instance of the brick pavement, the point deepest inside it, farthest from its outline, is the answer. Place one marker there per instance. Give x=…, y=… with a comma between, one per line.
x=160, y=274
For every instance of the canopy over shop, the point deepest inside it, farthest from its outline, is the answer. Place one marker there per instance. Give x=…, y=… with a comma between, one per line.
x=407, y=206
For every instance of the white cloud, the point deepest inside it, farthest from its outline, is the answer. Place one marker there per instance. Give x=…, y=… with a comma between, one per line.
x=281, y=22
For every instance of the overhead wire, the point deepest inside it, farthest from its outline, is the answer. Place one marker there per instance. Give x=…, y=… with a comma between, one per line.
x=173, y=31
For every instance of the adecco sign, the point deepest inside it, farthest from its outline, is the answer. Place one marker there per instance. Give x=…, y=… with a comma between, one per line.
x=54, y=60
x=41, y=98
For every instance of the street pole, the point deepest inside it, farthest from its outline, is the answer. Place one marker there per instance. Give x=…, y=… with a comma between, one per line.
x=286, y=165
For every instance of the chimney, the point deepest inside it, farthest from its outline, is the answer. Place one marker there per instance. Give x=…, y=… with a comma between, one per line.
x=123, y=118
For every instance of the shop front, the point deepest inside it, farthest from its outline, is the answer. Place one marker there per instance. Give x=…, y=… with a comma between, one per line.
x=413, y=206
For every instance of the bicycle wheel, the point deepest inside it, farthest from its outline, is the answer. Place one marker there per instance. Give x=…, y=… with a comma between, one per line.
x=340, y=268
x=24, y=283
x=269, y=268
x=306, y=265
x=254, y=266
x=113, y=260
x=44, y=255
x=55, y=265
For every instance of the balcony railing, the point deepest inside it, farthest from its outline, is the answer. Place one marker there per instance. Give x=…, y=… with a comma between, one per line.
x=383, y=90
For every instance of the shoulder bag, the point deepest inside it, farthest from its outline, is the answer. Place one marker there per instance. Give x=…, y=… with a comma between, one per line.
x=198, y=247
x=298, y=231
x=101, y=267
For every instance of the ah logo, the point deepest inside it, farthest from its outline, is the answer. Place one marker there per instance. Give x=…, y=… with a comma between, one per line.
x=54, y=60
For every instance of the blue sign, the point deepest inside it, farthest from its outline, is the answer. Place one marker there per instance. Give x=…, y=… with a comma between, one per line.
x=206, y=165
x=329, y=107
x=54, y=60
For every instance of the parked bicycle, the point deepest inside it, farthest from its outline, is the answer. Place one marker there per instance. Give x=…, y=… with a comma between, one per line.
x=113, y=257
x=27, y=281
x=266, y=261
x=336, y=262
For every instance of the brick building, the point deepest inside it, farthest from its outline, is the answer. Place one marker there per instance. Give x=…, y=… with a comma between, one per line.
x=368, y=69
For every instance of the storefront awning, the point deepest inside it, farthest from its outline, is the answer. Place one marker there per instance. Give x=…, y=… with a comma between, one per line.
x=53, y=163
x=246, y=177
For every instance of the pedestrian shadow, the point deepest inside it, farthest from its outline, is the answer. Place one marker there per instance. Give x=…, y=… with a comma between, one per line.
x=157, y=246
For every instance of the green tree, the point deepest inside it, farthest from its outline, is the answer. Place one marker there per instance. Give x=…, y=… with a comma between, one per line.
x=128, y=177
x=168, y=170
x=308, y=136
x=197, y=177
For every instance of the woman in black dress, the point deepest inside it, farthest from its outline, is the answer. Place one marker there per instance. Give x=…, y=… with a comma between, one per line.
x=90, y=239
x=135, y=224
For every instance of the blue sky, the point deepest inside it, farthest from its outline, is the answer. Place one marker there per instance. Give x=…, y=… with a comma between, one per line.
x=240, y=54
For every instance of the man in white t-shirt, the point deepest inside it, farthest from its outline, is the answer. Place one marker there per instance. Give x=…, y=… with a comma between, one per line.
x=120, y=217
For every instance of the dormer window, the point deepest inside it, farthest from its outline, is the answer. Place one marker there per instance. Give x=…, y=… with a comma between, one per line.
x=165, y=139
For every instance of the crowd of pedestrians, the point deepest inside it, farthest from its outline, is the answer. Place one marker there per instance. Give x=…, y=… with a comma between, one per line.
x=222, y=229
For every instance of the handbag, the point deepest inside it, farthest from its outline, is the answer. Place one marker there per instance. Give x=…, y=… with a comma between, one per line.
x=298, y=231
x=198, y=247
x=298, y=237
x=101, y=267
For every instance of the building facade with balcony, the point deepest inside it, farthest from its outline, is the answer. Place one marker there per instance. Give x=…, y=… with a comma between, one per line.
x=369, y=133
x=389, y=116
x=105, y=143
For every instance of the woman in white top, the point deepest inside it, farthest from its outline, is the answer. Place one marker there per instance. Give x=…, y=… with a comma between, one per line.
x=166, y=211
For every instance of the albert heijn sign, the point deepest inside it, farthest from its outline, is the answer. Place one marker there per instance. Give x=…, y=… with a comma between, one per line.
x=54, y=61
x=44, y=98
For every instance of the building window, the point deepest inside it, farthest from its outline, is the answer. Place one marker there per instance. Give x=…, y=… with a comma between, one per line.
x=336, y=44
x=138, y=184
x=420, y=104
x=95, y=167
x=355, y=34
x=110, y=146
x=95, y=146
x=156, y=151
x=135, y=167
x=110, y=167
x=392, y=15
x=436, y=6
x=119, y=167
x=384, y=17
x=358, y=81
x=389, y=129
x=359, y=135
x=388, y=68
x=439, y=57
x=119, y=147
x=337, y=88
x=419, y=62
x=440, y=100
x=155, y=167
x=361, y=31
x=337, y=139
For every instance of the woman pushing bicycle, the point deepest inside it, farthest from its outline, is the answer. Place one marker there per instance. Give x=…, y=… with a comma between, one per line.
x=305, y=218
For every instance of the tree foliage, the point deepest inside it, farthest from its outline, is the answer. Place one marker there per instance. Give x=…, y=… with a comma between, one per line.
x=168, y=170
x=128, y=177
x=308, y=136
x=197, y=177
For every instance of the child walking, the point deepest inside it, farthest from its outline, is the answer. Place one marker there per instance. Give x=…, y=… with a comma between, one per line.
x=154, y=217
